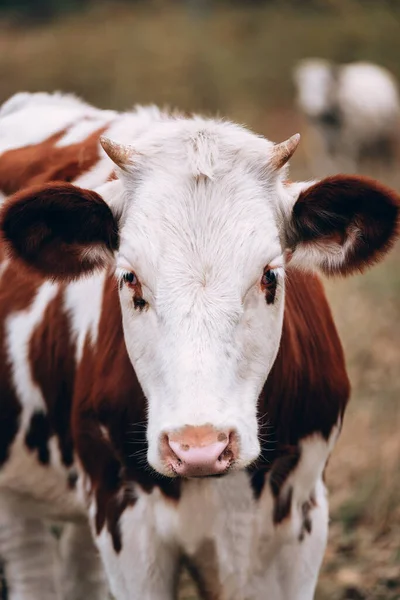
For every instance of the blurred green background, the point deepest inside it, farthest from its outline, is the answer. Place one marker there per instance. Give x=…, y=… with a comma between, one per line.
x=235, y=58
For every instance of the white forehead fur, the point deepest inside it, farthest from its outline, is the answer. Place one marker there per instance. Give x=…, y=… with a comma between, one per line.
x=200, y=195
x=203, y=146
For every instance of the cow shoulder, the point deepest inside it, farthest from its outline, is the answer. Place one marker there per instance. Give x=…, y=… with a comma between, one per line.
x=301, y=406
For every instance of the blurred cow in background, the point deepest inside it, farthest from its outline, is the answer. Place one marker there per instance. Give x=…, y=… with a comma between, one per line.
x=353, y=112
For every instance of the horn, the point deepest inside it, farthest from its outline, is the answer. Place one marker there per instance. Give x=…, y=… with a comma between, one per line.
x=121, y=155
x=281, y=153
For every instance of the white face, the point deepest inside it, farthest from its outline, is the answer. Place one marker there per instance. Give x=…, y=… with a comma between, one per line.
x=202, y=315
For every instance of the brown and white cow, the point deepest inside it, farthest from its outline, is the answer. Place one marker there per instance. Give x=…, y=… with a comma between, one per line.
x=170, y=374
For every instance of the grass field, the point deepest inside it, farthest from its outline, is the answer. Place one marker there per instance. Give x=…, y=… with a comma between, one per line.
x=238, y=63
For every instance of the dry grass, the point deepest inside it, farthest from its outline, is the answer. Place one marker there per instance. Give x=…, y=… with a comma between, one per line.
x=238, y=63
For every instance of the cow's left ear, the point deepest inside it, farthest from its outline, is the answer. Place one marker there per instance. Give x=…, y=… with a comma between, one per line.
x=342, y=224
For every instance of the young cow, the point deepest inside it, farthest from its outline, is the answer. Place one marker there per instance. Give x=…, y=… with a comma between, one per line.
x=170, y=373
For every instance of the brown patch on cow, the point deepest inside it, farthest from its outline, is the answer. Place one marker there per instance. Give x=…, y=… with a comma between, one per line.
x=44, y=162
x=308, y=388
x=52, y=360
x=38, y=435
x=282, y=468
x=282, y=494
x=257, y=479
x=349, y=208
x=307, y=522
x=109, y=396
x=203, y=567
x=60, y=230
x=115, y=507
x=283, y=506
x=16, y=293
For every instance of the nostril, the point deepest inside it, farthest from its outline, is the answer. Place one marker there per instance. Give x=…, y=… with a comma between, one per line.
x=230, y=449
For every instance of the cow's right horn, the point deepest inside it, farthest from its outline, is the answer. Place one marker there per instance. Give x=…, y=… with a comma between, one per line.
x=282, y=152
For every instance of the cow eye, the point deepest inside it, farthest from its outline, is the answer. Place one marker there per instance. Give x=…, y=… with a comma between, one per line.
x=269, y=283
x=269, y=278
x=133, y=283
x=130, y=278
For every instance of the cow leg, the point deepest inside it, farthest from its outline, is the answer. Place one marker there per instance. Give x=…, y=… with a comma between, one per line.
x=139, y=562
x=82, y=573
x=29, y=553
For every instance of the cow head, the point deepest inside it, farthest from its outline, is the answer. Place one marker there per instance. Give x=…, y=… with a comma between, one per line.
x=199, y=227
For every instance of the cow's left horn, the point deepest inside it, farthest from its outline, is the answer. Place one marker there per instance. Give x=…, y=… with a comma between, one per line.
x=121, y=155
x=282, y=152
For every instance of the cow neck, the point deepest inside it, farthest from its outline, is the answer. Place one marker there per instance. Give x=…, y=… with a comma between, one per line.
x=298, y=398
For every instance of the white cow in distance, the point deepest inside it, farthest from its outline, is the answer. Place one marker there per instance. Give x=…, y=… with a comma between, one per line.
x=353, y=112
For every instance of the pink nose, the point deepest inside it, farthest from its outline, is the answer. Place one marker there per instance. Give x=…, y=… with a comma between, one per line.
x=199, y=451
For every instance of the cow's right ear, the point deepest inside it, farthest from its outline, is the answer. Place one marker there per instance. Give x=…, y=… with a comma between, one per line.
x=59, y=229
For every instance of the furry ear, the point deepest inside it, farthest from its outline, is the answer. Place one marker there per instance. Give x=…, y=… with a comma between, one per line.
x=59, y=229
x=343, y=224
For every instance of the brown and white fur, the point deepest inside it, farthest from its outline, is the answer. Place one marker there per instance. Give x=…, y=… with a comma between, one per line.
x=161, y=322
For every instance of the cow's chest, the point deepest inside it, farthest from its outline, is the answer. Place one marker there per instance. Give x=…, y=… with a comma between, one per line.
x=209, y=511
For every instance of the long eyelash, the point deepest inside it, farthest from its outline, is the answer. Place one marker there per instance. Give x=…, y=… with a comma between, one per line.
x=119, y=274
